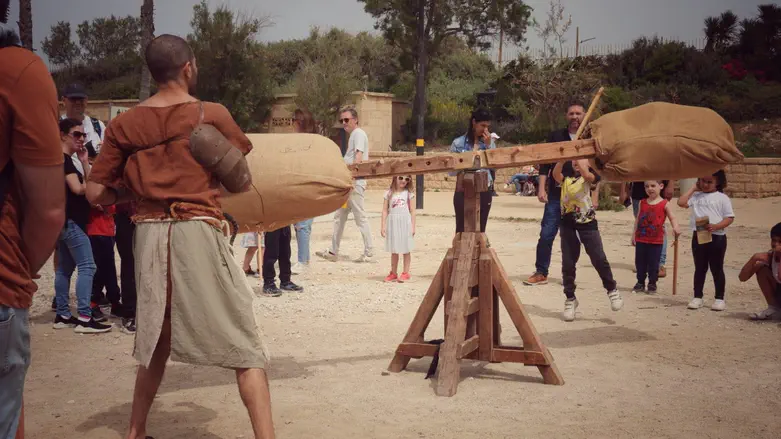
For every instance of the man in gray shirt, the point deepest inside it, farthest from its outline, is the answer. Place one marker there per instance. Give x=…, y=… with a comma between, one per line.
x=357, y=151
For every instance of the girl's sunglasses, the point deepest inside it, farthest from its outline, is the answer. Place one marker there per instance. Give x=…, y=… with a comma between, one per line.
x=78, y=134
x=407, y=179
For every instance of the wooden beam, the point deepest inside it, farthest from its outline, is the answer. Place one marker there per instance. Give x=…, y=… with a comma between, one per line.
x=508, y=157
x=449, y=370
x=422, y=319
x=416, y=350
x=486, y=320
x=473, y=306
x=504, y=354
x=468, y=346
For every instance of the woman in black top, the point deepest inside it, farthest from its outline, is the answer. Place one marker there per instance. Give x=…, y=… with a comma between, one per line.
x=73, y=247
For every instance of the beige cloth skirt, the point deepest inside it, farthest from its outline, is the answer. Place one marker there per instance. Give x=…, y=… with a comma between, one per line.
x=212, y=317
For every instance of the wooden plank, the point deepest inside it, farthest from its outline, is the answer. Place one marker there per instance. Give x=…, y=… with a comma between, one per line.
x=473, y=306
x=508, y=157
x=497, y=325
x=449, y=369
x=486, y=321
x=505, y=355
x=447, y=274
x=471, y=204
x=422, y=319
x=468, y=346
x=417, y=350
x=522, y=322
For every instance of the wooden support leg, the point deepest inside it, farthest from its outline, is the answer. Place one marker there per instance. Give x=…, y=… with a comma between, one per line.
x=487, y=309
x=449, y=371
x=531, y=340
x=422, y=319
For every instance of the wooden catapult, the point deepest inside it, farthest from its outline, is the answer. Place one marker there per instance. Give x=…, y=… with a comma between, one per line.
x=471, y=280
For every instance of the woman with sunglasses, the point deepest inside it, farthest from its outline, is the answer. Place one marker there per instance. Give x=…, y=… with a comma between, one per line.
x=73, y=247
x=478, y=136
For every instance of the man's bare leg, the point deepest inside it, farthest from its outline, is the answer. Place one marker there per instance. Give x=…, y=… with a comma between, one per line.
x=253, y=388
x=147, y=382
x=767, y=285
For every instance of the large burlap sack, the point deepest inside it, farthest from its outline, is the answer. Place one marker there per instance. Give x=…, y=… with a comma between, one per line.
x=294, y=177
x=662, y=141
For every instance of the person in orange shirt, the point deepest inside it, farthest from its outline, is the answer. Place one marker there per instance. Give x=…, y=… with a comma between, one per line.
x=31, y=170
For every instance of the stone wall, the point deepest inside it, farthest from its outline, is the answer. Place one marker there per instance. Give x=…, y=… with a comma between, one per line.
x=375, y=115
x=753, y=178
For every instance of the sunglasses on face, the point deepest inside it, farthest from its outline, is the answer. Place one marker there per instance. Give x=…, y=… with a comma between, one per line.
x=404, y=179
x=78, y=135
x=345, y=120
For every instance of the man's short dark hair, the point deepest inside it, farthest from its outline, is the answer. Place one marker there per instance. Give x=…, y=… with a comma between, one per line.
x=166, y=55
x=66, y=125
x=776, y=231
x=576, y=103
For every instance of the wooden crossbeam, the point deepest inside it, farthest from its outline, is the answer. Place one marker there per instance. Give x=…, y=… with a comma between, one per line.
x=509, y=157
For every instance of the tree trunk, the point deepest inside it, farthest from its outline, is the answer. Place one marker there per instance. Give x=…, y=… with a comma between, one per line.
x=148, y=32
x=26, y=23
x=420, y=93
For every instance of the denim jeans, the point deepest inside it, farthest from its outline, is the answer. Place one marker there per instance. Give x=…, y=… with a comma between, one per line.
x=571, y=240
x=74, y=250
x=663, y=257
x=14, y=361
x=551, y=219
x=303, y=233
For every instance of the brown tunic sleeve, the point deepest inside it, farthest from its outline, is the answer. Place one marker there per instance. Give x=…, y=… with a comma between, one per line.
x=219, y=116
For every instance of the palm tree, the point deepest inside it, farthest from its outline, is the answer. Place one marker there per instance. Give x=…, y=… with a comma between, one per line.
x=721, y=32
x=147, y=33
x=26, y=23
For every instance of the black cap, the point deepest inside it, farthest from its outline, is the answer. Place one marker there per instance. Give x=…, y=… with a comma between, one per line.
x=75, y=91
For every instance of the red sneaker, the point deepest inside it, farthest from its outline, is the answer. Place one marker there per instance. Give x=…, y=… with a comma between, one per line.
x=391, y=277
x=404, y=277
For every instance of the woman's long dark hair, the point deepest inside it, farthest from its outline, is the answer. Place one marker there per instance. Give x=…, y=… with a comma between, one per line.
x=479, y=115
x=308, y=124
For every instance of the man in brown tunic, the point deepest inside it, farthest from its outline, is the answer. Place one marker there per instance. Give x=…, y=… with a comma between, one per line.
x=194, y=302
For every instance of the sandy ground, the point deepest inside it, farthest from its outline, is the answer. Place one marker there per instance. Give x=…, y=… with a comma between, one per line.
x=651, y=370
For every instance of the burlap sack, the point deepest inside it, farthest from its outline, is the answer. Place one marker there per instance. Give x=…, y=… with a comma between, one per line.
x=662, y=141
x=294, y=177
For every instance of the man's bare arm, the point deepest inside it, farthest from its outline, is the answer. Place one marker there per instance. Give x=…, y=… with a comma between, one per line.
x=43, y=211
x=106, y=196
x=358, y=157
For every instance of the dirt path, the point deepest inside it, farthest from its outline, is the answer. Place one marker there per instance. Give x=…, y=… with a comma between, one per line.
x=652, y=370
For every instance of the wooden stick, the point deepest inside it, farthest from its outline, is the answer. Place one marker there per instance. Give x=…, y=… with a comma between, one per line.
x=591, y=109
x=509, y=157
x=675, y=267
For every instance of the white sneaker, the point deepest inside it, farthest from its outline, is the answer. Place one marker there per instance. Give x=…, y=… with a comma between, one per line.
x=569, y=310
x=766, y=314
x=299, y=268
x=327, y=255
x=696, y=303
x=363, y=258
x=718, y=305
x=616, y=302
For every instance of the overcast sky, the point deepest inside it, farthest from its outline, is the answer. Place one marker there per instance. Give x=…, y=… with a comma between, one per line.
x=608, y=21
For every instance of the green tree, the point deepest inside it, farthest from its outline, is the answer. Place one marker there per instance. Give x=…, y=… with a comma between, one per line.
x=59, y=47
x=721, y=32
x=231, y=65
x=326, y=78
x=109, y=39
x=26, y=23
x=147, y=34
x=419, y=29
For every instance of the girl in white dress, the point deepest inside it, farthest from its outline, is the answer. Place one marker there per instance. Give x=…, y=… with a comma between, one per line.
x=398, y=225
